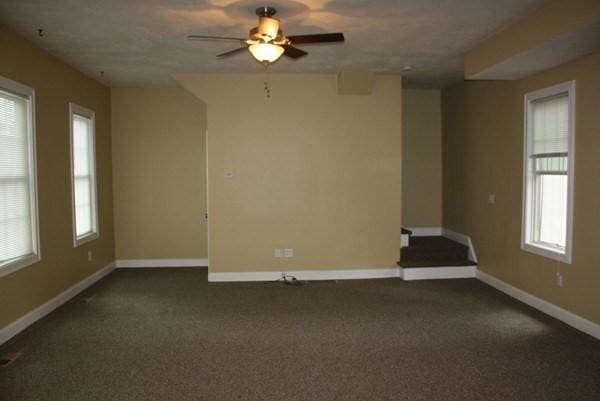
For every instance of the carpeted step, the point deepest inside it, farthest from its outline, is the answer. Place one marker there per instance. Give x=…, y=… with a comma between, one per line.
x=434, y=251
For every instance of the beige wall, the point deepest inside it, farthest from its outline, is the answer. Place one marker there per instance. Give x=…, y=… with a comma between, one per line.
x=552, y=19
x=422, y=158
x=482, y=154
x=314, y=171
x=159, y=169
x=57, y=84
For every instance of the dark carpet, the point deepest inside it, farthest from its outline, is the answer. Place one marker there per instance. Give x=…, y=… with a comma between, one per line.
x=167, y=334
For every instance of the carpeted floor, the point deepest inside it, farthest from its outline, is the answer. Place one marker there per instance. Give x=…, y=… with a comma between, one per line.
x=166, y=334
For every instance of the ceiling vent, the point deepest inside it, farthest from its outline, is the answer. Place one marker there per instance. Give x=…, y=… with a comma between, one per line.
x=355, y=82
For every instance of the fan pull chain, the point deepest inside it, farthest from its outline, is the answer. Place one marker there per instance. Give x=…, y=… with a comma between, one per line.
x=267, y=82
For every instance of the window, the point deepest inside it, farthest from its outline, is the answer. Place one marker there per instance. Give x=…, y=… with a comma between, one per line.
x=548, y=171
x=19, y=241
x=83, y=175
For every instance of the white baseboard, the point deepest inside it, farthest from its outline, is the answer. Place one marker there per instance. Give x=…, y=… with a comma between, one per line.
x=133, y=263
x=578, y=322
x=437, y=273
x=306, y=275
x=425, y=231
x=14, y=328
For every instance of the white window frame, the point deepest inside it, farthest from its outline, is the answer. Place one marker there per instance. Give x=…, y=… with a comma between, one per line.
x=27, y=93
x=526, y=244
x=75, y=109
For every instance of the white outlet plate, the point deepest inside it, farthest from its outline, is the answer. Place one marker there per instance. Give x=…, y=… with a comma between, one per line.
x=491, y=199
x=89, y=256
x=288, y=252
x=278, y=253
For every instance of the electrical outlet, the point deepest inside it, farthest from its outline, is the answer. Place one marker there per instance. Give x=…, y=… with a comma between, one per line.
x=288, y=252
x=278, y=253
x=491, y=199
x=89, y=256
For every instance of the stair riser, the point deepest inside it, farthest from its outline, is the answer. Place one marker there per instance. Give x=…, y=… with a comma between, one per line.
x=434, y=255
x=438, y=273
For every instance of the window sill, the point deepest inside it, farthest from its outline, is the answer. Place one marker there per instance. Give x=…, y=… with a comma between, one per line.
x=546, y=251
x=85, y=239
x=7, y=268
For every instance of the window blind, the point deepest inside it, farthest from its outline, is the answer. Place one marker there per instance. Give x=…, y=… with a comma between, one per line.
x=82, y=175
x=15, y=195
x=551, y=126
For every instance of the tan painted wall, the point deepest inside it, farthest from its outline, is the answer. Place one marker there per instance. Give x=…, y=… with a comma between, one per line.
x=312, y=170
x=482, y=154
x=422, y=158
x=57, y=84
x=159, y=169
x=550, y=20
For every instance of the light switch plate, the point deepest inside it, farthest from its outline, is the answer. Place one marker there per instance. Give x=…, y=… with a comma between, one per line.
x=278, y=253
x=288, y=252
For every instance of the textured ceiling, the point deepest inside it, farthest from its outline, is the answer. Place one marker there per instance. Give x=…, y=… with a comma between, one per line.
x=142, y=42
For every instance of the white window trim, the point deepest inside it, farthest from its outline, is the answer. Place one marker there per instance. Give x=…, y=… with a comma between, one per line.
x=538, y=249
x=82, y=111
x=27, y=260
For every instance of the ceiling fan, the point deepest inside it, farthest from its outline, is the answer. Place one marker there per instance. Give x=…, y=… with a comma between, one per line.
x=267, y=43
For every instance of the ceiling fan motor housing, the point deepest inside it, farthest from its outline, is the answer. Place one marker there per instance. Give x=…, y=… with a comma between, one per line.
x=267, y=30
x=256, y=36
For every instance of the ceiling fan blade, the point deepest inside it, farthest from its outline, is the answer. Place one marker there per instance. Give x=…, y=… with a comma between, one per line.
x=215, y=38
x=293, y=52
x=232, y=52
x=316, y=38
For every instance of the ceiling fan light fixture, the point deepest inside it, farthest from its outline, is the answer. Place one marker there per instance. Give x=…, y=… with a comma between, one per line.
x=266, y=52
